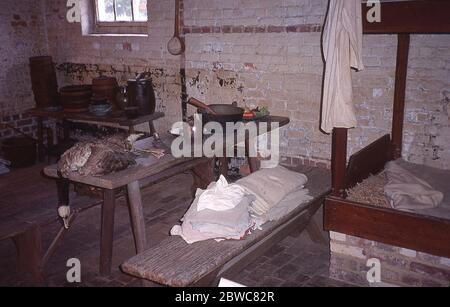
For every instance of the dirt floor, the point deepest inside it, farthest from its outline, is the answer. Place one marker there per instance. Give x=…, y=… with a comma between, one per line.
x=295, y=261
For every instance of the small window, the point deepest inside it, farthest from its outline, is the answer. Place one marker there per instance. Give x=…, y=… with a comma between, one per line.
x=121, y=16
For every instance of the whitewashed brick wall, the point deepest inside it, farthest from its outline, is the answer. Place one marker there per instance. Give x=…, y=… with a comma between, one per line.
x=264, y=52
x=399, y=266
x=22, y=35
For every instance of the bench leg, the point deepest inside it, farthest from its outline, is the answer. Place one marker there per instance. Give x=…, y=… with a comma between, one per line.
x=315, y=233
x=29, y=249
x=137, y=216
x=107, y=232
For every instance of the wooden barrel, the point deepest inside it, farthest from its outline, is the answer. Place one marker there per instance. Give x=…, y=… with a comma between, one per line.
x=43, y=81
x=76, y=98
x=21, y=151
x=106, y=87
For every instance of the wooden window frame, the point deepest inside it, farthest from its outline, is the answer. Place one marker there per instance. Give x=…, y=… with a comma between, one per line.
x=117, y=27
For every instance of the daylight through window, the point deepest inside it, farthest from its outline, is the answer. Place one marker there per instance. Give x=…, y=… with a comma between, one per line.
x=121, y=10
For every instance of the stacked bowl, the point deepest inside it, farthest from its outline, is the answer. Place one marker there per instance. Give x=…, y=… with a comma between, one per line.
x=76, y=98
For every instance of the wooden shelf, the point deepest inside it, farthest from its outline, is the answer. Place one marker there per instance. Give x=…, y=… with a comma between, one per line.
x=85, y=116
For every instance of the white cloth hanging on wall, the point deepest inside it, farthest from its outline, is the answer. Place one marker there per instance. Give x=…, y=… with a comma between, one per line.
x=342, y=48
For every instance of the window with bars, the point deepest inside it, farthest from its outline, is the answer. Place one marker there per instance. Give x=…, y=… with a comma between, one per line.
x=121, y=16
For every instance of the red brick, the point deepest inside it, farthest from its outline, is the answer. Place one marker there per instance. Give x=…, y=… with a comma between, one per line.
x=291, y=29
x=260, y=29
x=249, y=29
x=238, y=29
x=226, y=29
x=196, y=30
x=206, y=30
x=275, y=29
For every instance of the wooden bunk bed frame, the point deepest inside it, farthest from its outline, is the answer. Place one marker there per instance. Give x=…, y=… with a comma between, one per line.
x=408, y=230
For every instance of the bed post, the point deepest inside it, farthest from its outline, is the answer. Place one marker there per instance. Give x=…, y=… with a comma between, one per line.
x=399, y=95
x=338, y=161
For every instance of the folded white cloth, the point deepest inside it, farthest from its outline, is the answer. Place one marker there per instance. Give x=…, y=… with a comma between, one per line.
x=408, y=192
x=288, y=204
x=270, y=186
x=209, y=224
x=220, y=196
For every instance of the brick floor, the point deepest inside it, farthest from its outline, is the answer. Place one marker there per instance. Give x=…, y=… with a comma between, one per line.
x=294, y=262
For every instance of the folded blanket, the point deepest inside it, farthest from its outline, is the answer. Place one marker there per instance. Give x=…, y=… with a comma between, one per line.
x=288, y=204
x=270, y=186
x=408, y=192
x=210, y=224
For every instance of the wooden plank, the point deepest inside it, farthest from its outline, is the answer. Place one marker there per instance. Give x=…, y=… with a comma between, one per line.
x=173, y=262
x=121, y=120
x=408, y=230
x=399, y=95
x=338, y=161
x=419, y=17
x=134, y=173
x=369, y=160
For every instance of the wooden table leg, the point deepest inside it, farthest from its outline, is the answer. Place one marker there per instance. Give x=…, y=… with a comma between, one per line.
x=137, y=216
x=223, y=162
x=253, y=162
x=107, y=232
x=203, y=175
x=63, y=187
x=151, y=126
x=66, y=130
x=40, y=138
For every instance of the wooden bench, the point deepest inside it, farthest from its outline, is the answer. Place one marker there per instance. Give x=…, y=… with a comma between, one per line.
x=173, y=262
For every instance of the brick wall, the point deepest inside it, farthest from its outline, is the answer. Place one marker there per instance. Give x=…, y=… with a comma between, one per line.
x=22, y=35
x=399, y=266
x=266, y=52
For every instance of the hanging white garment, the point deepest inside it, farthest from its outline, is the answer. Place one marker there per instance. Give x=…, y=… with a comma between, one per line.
x=342, y=48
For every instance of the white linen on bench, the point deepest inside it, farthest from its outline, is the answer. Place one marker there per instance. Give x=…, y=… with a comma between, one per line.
x=270, y=186
x=209, y=224
x=283, y=208
x=220, y=196
x=270, y=194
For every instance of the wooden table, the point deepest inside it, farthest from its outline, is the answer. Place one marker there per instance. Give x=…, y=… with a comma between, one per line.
x=253, y=162
x=132, y=179
x=135, y=176
x=65, y=117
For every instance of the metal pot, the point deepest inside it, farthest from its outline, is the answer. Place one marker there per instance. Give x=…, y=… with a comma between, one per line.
x=221, y=113
x=141, y=94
